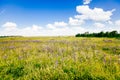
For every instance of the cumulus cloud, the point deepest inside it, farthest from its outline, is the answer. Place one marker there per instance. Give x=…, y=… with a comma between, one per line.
x=86, y=1
x=110, y=22
x=50, y=26
x=54, y=29
x=60, y=24
x=56, y=25
x=9, y=26
x=99, y=25
x=36, y=27
x=75, y=22
x=96, y=14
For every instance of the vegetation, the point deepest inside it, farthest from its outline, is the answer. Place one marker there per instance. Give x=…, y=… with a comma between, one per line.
x=9, y=36
x=59, y=58
x=100, y=34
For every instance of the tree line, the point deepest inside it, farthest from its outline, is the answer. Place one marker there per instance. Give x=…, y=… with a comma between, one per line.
x=9, y=36
x=100, y=34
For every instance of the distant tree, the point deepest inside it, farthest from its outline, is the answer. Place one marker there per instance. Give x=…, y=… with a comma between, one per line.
x=100, y=34
x=113, y=34
x=78, y=35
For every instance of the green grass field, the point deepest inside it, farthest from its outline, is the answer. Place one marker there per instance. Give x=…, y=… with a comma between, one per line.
x=59, y=58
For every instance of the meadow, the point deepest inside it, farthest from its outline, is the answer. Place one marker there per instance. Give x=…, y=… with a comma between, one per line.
x=59, y=58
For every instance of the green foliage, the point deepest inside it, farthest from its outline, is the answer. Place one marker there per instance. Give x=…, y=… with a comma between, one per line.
x=15, y=71
x=100, y=34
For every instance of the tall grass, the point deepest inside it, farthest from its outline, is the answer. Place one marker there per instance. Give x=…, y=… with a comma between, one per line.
x=59, y=58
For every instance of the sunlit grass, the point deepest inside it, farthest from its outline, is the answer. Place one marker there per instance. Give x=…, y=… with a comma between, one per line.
x=64, y=58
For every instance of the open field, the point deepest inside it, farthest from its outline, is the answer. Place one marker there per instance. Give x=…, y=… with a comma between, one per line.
x=59, y=58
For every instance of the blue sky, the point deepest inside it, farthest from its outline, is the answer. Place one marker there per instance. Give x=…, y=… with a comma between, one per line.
x=58, y=17
x=37, y=11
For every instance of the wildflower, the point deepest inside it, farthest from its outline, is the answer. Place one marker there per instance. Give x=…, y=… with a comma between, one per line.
x=5, y=57
x=11, y=47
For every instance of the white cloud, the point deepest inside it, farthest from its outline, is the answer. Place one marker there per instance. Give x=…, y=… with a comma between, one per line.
x=66, y=31
x=75, y=22
x=60, y=24
x=117, y=22
x=9, y=26
x=86, y=1
x=33, y=27
x=83, y=17
x=49, y=30
x=110, y=22
x=56, y=25
x=99, y=25
x=50, y=26
x=36, y=27
x=96, y=14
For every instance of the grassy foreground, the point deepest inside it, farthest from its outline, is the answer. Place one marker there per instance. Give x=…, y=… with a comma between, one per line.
x=59, y=58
